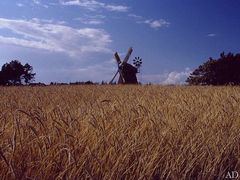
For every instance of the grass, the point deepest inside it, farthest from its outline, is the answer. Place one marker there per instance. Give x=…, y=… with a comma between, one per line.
x=119, y=132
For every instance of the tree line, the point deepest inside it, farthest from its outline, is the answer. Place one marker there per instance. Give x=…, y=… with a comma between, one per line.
x=224, y=70
x=15, y=74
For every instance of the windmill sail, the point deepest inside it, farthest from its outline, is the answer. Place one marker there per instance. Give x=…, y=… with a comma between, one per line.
x=130, y=50
x=114, y=77
x=117, y=58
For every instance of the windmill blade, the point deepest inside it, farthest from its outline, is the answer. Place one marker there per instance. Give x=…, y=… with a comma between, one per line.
x=130, y=50
x=121, y=78
x=116, y=56
x=114, y=77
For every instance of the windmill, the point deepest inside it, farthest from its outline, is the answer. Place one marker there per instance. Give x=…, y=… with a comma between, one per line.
x=127, y=72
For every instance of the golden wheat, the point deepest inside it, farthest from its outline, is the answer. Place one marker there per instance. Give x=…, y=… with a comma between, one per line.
x=119, y=132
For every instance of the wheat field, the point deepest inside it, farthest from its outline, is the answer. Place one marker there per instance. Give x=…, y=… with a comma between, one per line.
x=119, y=132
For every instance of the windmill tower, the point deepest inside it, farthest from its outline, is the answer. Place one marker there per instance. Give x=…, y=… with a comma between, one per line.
x=127, y=72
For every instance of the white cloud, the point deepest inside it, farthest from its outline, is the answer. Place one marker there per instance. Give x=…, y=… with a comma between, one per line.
x=118, y=8
x=135, y=16
x=173, y=77
x=49, y=21
x=54, y=37
x=36, y=2
x=91, y=20
x=177, y=77
x=39, y=3
x=94, y=5
x=212, y=35
x=88, y=4
x=156, y=24
x=20, y=4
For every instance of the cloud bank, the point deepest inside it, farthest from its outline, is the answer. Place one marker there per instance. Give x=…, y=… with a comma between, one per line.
x=54, y=36
x=173, y=77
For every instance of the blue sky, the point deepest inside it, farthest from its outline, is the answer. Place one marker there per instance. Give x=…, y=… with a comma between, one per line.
x=74, y=40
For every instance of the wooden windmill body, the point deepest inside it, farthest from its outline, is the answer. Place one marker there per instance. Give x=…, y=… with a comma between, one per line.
x=127, y=72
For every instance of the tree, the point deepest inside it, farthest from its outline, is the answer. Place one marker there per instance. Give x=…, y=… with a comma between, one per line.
x=14, y=73
x=28, y=75
x=222, y=71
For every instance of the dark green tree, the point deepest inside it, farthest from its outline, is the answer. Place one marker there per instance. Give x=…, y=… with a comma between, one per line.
x=28, y=76
x=14, y=73
x=222, y=71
